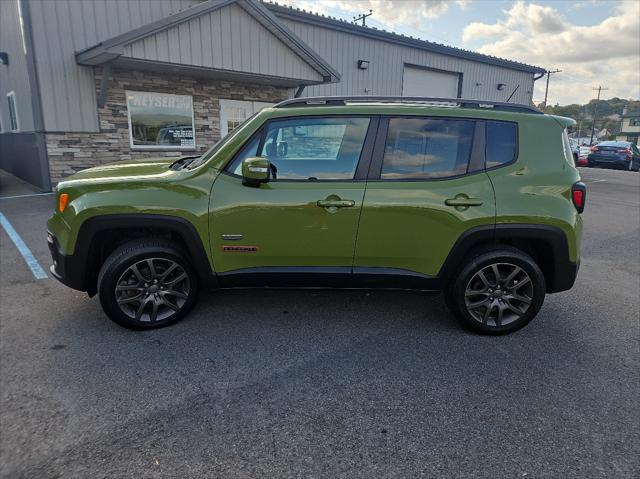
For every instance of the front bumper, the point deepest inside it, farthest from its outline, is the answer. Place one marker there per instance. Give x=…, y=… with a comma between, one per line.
x=65, y=268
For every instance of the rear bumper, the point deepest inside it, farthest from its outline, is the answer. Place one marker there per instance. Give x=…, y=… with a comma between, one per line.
x=604, y=161
x=565, y=274
x=65, y=268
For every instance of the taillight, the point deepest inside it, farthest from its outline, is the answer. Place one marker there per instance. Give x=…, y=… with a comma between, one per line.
x=579, y=196
x=624, y=151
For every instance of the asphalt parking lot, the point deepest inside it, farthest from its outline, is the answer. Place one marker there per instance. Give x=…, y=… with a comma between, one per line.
x=326, y=384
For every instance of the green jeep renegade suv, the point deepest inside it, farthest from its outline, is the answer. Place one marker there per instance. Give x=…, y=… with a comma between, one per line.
x=479, y=199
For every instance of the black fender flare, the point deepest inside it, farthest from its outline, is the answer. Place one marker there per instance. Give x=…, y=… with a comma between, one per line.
x=183, y=228
x=562, y=274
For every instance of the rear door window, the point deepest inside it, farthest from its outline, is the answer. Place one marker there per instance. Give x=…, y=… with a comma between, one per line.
x=501, y=144
x=419, y=148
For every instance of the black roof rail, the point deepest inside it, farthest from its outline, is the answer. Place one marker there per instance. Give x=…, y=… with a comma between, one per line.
x=457, y=102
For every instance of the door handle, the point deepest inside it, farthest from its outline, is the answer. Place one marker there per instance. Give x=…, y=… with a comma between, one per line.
x=336, y=203
x=462, y=202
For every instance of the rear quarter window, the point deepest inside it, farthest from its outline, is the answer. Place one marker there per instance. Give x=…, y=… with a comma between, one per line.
x=502, y=143
x=568, y=153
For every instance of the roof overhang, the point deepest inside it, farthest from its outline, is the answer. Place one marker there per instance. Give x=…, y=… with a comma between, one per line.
x=211, y=73
x=112, y=51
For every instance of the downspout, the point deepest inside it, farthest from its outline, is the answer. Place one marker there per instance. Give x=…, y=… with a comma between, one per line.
x=533, y=85
x=36, y=98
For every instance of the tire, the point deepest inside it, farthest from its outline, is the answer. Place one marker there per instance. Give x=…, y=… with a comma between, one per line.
x=636, y=167
x=145, y=300
x=524, y=296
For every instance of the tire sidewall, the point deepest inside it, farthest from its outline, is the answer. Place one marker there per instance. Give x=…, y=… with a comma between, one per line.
x=112, y=270
x=456, y=295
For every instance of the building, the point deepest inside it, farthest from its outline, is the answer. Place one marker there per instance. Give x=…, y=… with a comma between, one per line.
x=87, y=82
x=630, y=127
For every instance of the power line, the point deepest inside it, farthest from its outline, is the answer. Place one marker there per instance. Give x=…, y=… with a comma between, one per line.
x=595, y=112
x=363, y=17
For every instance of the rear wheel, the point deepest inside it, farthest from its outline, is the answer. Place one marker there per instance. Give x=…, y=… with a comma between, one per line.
x=147, y=284
x=497, y=292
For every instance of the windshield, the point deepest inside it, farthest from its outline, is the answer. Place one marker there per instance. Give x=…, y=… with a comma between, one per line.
x=206, y=156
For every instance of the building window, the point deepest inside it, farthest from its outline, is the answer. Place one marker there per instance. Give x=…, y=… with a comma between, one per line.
x=234, y=112
x=634, y=122
x=14, y=123
x=160, y=121
x=427, y=148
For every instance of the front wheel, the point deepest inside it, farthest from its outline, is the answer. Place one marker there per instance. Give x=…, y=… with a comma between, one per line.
x=146, y=284
x=497, y=292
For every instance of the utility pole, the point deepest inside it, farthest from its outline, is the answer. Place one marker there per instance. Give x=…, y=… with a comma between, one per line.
x=595, y=113
x=363, y=18
x=546, y=90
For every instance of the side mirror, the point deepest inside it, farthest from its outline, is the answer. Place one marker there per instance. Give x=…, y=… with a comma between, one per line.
x=255, y=171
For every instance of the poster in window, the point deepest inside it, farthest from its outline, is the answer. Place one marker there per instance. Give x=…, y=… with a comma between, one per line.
x=160, y=120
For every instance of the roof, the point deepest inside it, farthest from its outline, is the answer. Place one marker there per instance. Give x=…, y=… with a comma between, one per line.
x=372, y=32
x=406, y=100
x=632, y=114
x=113, y=48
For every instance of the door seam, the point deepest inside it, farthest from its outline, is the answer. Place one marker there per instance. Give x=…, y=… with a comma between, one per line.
x=364, y=196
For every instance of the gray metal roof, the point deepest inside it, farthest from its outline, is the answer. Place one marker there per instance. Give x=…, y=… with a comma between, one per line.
x=372, y=32
x=113, y=48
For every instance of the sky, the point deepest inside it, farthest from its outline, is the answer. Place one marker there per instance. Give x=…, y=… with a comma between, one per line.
x=594, y=42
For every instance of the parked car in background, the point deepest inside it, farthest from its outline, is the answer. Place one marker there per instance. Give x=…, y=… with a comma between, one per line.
x=583, y=153
x=575, y=149
x=617, y=154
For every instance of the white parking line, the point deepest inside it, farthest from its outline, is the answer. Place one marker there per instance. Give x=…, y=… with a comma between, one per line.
x=25, y=196
x=26, y=253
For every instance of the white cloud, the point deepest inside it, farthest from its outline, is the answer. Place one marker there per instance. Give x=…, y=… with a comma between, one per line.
x=607, y=53
x=390, y=13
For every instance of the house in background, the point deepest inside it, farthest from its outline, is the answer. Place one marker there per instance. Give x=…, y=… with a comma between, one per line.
x=86, y=82
x=630, y=128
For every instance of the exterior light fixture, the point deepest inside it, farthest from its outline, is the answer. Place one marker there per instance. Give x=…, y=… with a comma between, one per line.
x=501, y=86
x=363, y=64
x=4, y=58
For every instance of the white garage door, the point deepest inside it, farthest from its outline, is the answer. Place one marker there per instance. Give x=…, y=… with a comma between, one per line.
x=431, y=83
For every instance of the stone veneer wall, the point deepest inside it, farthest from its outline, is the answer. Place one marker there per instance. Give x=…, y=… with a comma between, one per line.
x=73, y=151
